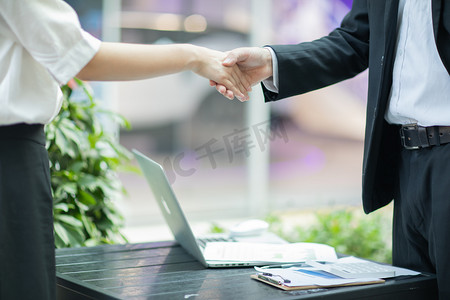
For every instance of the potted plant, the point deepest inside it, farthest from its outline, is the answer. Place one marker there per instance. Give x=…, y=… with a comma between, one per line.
x=84, y=160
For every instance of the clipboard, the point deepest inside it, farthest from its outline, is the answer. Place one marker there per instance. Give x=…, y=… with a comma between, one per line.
x=278, y=284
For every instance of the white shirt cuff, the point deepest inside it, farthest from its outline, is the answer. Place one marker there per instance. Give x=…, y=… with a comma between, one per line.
x=271, y=83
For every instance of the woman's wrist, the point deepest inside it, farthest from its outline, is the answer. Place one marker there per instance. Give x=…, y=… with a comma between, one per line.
x=193, y=57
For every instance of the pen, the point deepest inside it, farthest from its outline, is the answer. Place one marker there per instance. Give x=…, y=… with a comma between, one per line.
x=268, y=277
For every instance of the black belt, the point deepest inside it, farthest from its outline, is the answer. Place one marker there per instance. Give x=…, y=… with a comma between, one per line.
x=416, y=137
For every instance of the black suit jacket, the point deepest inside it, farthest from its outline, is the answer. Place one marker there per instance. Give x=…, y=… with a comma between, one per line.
x=365, y=39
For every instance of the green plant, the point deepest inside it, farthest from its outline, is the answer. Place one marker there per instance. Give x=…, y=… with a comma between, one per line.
x=84, y=160
x=216, y=228
x=351, y=233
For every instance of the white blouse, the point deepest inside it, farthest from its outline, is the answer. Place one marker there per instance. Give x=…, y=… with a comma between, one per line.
x=42, y=45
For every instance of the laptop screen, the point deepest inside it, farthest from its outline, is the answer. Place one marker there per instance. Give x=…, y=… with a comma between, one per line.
x=169, y=205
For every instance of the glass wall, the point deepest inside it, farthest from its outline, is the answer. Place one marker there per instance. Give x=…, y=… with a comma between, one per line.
x=202, y=138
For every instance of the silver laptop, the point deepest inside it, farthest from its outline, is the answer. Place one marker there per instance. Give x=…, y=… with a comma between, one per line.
x=176, y=220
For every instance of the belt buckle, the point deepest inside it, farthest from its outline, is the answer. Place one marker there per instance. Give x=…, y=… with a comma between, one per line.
x=412, y=127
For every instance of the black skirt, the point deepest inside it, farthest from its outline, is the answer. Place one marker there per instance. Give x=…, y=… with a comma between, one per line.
x=27, y=249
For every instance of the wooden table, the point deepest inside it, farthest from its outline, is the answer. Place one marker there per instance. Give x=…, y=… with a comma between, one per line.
x=163, y=270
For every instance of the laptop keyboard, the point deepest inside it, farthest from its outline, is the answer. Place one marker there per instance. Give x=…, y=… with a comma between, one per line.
x=202, y=241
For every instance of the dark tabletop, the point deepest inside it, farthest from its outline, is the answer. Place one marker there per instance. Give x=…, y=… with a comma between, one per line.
x=163, y=270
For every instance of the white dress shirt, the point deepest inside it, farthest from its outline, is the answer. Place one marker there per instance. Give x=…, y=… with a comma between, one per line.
x=42, y=46
x=420, y=91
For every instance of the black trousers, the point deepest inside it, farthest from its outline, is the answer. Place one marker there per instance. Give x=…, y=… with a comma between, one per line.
x=421, y=233
x=27, y=249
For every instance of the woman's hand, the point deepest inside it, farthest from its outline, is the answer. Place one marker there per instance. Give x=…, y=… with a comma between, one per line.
x=209, y=64
x=254, y=63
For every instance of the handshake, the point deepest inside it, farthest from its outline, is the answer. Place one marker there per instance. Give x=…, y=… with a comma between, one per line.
x=234, y=73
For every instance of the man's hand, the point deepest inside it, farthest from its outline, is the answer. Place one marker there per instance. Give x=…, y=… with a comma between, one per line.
x=209, y=64
x=255, y=63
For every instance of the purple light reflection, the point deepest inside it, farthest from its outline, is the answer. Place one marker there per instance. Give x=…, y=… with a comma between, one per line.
x=310, y=160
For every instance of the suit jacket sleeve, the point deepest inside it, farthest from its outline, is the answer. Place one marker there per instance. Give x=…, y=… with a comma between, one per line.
x=312, y=65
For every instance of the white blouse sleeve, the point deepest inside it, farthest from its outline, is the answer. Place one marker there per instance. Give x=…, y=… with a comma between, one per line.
x=50, y=31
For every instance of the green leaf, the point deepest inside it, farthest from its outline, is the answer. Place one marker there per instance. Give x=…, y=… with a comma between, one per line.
x=70, y=220
x=89, y=226
x=87, y=198
x=64, y=145
x=76, y=236
x=61, y=206
x=61, y=233
x=89, y=181
x=68, y=187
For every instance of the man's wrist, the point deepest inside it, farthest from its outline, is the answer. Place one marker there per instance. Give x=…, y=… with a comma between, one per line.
x=268, y=61
x=271, y=83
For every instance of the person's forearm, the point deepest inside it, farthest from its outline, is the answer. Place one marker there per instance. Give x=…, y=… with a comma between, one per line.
x=117, y=61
